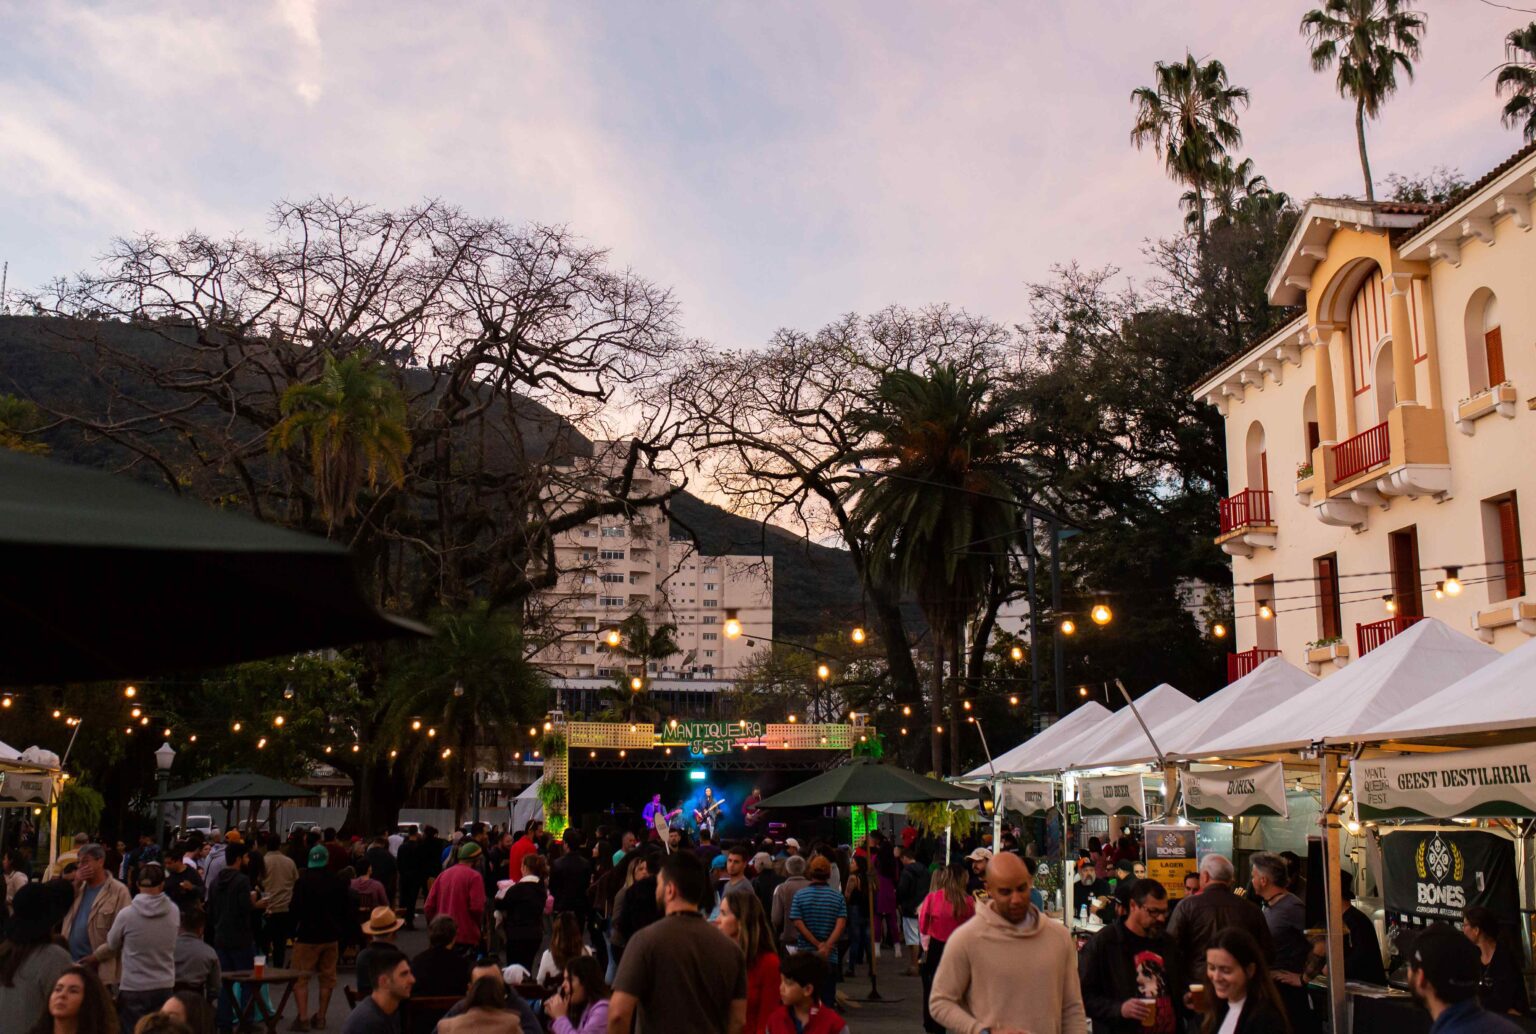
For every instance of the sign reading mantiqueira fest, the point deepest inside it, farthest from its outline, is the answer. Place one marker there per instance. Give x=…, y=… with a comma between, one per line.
x=1493, y=782
x=713, y=737
x=1236, y=791
x=1112, y=795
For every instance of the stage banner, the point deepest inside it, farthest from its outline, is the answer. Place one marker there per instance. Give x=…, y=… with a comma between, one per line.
x=1113, y=795
x=1489, y=783
x=1236, y=791
x=1032, y=798
x=1171, y=852
x=1430, y=875
x=26, y=788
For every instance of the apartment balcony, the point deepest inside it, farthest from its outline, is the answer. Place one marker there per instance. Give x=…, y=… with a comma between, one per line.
x=1405, y=455
x=1369, y=635
x=1246, y=523
x=1240, y=664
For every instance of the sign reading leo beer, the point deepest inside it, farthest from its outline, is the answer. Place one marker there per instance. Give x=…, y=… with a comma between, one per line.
x=1432, y=874
x=1493, y=782
x=714, y=737
x=1171, y=854
x=1113, y=795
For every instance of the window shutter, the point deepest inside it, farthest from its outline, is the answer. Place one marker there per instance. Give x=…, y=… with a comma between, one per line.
x=1328, y=597
x=1493, y=347
x=1509, y=543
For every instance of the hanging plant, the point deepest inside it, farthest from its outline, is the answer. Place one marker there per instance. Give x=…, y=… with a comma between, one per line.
x=935, y=817
x=80, y=807
x=553, y=744
x=552, y=797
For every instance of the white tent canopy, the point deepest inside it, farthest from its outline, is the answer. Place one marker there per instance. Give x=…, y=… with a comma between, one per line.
x=1022, y=758
x=1120, y=735
x=1496, y=697
x=527, y=805
x=1413, y=665
x=1265, y=688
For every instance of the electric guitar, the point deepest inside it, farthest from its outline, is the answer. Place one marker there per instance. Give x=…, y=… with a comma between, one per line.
x=707, y=815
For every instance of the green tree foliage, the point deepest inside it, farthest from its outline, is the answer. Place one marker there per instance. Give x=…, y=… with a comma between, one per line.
x=1517, y=81
x=1189, y=117
x=1368, y=42
x=1438, y=186
x=19, y=422
x=641, y=646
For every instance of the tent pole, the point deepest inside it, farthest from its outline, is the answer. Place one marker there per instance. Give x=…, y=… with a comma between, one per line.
x=1338, y=1002
x=1067, y=913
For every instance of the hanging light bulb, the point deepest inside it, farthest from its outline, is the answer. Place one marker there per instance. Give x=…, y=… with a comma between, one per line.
x=288, y=691
x=1101, y=614
x=938, y=729
x=57, y=712
x=6, y=701
x=127, y=730
x=637, y=684
x=906, y=710
x=130, y=691
x=966, y=704
x=193, y=739
x=1453, y=581
x=1390, y=604
x=732, y=626
x=278, y=720
x=792, y=719
x=1266, y=611
x=823, y=672
x=623, y=752
x=535, y=754
x=613, y=637
x=166, y=732
x=1082, y=691
x=1013, y=700
x=327, y=748
x=447, y=753
x=1068, y=627
x=237, y=726
x=1219, y=630
x=1439, y=590
x=1017, y=653
x=133, y=713
x=415, y=724
x=356, y=747
x=394, y=753
x=458, y=689
x=261, y=743
x=431, y=734
x=858, y=635
x=144, y=720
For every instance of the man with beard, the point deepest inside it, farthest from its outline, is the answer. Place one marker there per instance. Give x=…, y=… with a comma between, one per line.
x=1444, y=972
x=1128, y=969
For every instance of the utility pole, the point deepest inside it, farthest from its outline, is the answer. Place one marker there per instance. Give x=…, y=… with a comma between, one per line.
x=1034, y=622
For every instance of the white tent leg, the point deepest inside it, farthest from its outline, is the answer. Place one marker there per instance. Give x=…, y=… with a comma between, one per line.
x=1338, y=999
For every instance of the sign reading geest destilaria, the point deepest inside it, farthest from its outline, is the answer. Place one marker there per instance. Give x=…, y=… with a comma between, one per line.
x=1236, y=791
x=1112, y=795
x=1493, y=782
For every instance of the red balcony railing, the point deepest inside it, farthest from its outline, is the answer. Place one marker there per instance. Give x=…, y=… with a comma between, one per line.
x=1370, y=448
x=1248, y=508
x=1240, y=664
x=1369, y=635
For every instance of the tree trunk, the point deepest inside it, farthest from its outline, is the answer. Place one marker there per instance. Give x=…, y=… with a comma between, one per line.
x=936, y=703
x=1199, y=186
x=378, y=794
x=1365, y=162
x=957, y=714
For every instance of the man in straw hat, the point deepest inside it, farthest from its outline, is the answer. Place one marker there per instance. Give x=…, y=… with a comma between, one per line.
x=379, y=930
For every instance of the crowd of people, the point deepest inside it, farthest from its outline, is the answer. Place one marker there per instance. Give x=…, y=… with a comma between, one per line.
x=615, y=931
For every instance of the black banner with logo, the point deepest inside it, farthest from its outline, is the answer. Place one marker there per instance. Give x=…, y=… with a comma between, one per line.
x=1431, y=875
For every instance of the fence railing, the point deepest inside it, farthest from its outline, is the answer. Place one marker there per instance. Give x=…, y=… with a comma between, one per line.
x=1248, y=508
x=1240, y=664
x=1369, y=635
x=1370, y=448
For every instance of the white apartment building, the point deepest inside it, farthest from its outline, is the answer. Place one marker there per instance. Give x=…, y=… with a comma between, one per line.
x=1381, y=447
x=614, y=567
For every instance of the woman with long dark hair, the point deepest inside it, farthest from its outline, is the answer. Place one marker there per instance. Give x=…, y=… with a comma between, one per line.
x=78, y=1004
x=1503, y=985
x=1240, y=993
x=522, y=912
x=190, y=1008
x=946, y=907
x=743, y=920
x=581, y=1006
x=30, y=961
x=565, y=946
x=856, y=894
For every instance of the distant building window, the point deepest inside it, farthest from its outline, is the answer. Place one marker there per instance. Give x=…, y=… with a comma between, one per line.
x=586, y=533
x=618, y=578
x=710, y=635
x=710, y=586
x=615, y=532
x=584, y=649
x=711, y=603
x=610, y=601
x=709, y=653
x=711, y=570
x=610, y=554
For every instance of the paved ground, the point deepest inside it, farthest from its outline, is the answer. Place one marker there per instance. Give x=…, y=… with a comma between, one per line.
x=899, y=1013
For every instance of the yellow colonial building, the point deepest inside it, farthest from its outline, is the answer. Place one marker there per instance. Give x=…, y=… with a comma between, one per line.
x=1381, y=446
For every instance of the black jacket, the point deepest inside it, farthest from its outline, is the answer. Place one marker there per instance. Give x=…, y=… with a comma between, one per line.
x=522, y=909
x=1198, y=919
x=912, y=888
x=229, y=906
x=1259, y=1017
x=765, y=883
x=569, y=879
x=322, y=907
x=640, y=909
x=1108, y=974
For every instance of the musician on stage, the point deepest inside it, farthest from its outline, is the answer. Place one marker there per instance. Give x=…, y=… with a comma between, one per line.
x=707, y=814
x=751, y=813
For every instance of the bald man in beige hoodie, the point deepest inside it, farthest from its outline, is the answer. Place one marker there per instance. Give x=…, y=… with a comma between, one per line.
x=1010, y=969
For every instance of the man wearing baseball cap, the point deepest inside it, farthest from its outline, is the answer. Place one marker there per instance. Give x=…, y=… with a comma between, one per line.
x=1444, y=971
x=978, y=859
x=460, y=892
x=143, y=935
x=322, y=911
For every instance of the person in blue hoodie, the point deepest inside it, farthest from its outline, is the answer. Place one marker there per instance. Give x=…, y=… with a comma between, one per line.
x=1444, y=972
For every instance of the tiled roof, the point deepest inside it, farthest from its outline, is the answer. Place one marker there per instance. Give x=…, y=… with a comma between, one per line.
x=1471, y=188
x=1387, y=207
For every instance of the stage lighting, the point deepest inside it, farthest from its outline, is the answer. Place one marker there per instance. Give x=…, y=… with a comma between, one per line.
x=697, y=775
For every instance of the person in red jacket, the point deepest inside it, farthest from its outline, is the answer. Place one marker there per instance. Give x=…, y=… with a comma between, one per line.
x=743, y=920
x=800, y=977
x=460, y=892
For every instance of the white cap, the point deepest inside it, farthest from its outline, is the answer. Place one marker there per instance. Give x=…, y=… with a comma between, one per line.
x=981, y=854
x=792, y=842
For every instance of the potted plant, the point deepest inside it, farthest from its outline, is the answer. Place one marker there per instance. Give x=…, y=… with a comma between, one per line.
x=1327, y=650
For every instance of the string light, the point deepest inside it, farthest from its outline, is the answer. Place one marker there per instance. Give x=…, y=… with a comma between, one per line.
x=288, y=691
x=1390, y=604
x=938, y=729
x=1266, y=611
x=593, y=754
x=1082, y=691
x=636, y=684
x=613, y=637
x=6, y=701
x=1453, y=581
x=669, y=750
x=166, y=732
x=261, y=743
x=193, y=739
x=823, y=672
x=1013, y=700
x=394, y=753
x=327, y=748
x=858, y=635
x=535, y=754
x=128, y=730
x=57, y=712
x=1439, y=590
x=1219, y=630
x=903, y=732
x=278, y=721
x=1068, y=627
x=1101, y=614
x=144, y=720
x=416, y=725
x=791, y=721
x=237, y=727
x=447, y=753
x=1017, y=653
x=623, y=753
x=356, y=747
x=130, y=691
x=533, y=732
x=906, y=710
x=431, y=734
x=458, y=689
x=732, y=628
x=132, y=714
x=966, y=704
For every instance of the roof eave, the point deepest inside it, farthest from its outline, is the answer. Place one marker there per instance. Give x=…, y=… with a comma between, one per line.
x=1308, y=243
x=1507, y=194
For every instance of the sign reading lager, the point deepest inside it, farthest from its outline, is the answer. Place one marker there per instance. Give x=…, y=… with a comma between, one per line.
x=1171, y=854
x=714, y=737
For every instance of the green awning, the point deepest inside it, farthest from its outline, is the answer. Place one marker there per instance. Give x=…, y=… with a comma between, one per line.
x=238, y=786
x=866, y=781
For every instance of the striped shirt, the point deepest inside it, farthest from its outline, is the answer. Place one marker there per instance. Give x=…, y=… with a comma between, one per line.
x=819, y=907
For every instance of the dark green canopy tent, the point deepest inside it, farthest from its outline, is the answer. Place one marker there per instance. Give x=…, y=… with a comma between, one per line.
x=866, y=781
x=232, y=787
x=102, y=577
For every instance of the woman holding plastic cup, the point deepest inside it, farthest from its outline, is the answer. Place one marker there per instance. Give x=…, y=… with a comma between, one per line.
x=1239, y=995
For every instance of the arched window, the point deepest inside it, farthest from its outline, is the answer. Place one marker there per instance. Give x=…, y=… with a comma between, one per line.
x=1258, y=459
x=1312, y=436
x=1386, y=384
x=1485, y=342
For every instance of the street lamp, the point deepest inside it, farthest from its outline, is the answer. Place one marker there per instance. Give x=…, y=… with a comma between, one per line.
x=732, y=628
x=165, y=757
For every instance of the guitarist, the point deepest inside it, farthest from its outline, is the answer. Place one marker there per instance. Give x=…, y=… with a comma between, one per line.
x=751, y=813
x=707, y=814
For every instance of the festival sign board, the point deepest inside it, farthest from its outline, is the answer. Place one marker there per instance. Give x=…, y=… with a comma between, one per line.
x=1113, y=795
x=1171, y=855
x=1491, y=782
x=26, y=787
x=1236, y=791
x=1035, y=797
x=1430, y=875
x=713, y=737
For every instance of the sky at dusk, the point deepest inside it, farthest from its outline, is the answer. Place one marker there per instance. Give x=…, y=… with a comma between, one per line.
x=777, y=164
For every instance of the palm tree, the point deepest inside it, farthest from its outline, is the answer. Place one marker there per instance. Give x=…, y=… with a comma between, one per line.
x=352, y=420
x=1227, y=187
x=942, y=516
x=466, y=690
x=1518, y=77
x=1189, y=116
x=1369, y=41
x=641, y=643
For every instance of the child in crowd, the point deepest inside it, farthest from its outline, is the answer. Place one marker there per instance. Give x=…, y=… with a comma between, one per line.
x=800, y=977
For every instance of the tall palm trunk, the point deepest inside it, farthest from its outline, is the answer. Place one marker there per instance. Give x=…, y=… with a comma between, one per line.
x=955, y=687
x=936, y=703
x=1365, y=163
x=1199, y=186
